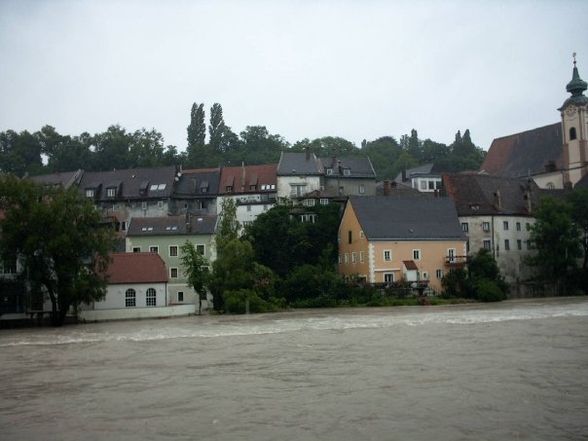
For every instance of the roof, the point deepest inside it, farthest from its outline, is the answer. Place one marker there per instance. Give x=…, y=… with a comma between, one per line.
x=248, y=179
x=64, y=179
x=172, y=225
x=526, y=153
x=421, y=170
x=410, y=265
x=198, y=182
x=582, y=183
x=299, y=163
x=478, y=194
x=386, y=218
x=136, y=268
x=398, y=189
x=357, y=166
x=135, y=183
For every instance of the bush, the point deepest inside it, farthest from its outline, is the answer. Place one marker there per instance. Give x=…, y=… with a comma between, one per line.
x=488, y=291
x=236, y=301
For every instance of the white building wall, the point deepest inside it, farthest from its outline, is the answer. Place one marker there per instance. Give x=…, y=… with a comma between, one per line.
x=285, y=183
x=115, y=296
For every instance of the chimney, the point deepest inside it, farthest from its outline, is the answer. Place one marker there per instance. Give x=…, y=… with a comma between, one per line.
x=403, y=175
x=307, y=151
x=242, y=175
x=498, y=200
x=387, y=188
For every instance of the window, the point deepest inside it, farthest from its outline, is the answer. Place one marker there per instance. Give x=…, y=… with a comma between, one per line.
x=506, y=245
x=439, y=274
x=518, y=226
x=388, y=277
x=486, y=226
x=361, y=259
x=340, y=259
x=324, y=201
x=159, y=204
x=136, y=249
x=173, y=273
x=180, y=296
x=387, y=255
x=200, y=249
x=123, y=225
x=451, y=255
x=465, y=227
x=9, y=265
x=297, y=189
x=248, y=207
x=416, y=254
x=425, y=275
x=530, y=245
x=487, y=244
x=144, y=205
x=572, y=133
x=431, y=185
x=111, y=192
x=252, y=187
x=229, y=188
x=153, y=187
x=329, y=171
x=346, y=172
x=361, y=189
x=353, y=257
x=423, y=185
x=519, y=244
x=346, y=258
x=154, y=249
x=505, y=225
x=130, y=298
x=361, y=235
x=173, y=250
x=350, y=236
x=309, y=202
x=151, y=297
x=308, y=218
x=89, y=192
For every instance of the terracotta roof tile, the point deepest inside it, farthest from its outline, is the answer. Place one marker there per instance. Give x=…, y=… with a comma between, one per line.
x=242, y=178
x=136, y=268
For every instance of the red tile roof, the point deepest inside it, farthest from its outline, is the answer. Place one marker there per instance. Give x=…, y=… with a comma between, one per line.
x=241, y=179
x=136, y=268
x=410, y=265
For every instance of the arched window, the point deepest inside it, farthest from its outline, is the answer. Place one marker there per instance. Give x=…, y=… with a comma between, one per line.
x=130, y=298
x=550, y=186
x=572, y=133
x=151, y=297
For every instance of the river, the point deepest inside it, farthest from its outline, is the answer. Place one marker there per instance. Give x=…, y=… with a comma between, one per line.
x=508, y=371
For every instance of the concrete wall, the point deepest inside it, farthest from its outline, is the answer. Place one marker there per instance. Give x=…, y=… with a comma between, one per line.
x=137, y=313
x=285, y=183
x=115, y=296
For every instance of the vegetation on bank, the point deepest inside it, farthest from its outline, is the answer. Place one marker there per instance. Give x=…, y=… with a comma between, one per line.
x=48, y=151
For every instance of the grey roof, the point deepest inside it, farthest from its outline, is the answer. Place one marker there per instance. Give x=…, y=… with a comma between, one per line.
x=526, y=153
x=172, y=225
x=386, y=218
x=421, y=170
x=477, y=194
x=582, y=183
x=358, y=166
x=64, y=179
x=136, y=183
x=398, y=189
x=198, y=183
x=294, y=163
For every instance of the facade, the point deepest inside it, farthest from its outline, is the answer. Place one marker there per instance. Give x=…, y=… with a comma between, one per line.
x=299, y=174
x=496, y=214
x=350, y=176
x=125, y=194
x=164, y=236
x=389, y=239
x=252, y=187
x=554, y=156
x=424, y=178
x=196, y=192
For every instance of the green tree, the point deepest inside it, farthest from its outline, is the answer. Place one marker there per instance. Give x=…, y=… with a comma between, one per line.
x=196, y=267
x=216, y=128
x=20, y=153
x=146, y=149
x=579, y=206
x=59, y=238
x=197, y=127
x=327, y=146
x=383, y=152
x=557, y=244
x=228, y=226
x=112, y=148
x=64, y=153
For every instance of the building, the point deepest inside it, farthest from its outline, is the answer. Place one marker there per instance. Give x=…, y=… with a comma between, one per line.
x=299, y=174
x=424, y=178
x=496, y=214
x=385, y=239
x=554, y=156
x=196, y=192
x=164, y=236
x=349, y=176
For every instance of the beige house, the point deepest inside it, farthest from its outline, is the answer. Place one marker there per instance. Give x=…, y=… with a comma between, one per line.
x=387, y=239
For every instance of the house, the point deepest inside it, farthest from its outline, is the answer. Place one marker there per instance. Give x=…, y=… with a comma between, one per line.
x=164, y=236
x=253, y=188
x=554, y=156
x=196, y=191
x=496, y=214
x=64, y=179
x=125, y=194
x=299, y=174
x=424, y=178
x=137, y=288
x=349, y=176
x=384, y=239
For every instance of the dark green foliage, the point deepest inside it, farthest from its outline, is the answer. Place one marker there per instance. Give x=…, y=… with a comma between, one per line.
x=579, y=206
x=488, y=291
x=196, y=128
x=327, y=147
x=558, y=245
x=196, y=267
x=312, y=286
x=20, y=153
x=59, y=238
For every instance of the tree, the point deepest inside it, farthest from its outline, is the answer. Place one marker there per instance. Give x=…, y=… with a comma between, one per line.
x=20, y=153
x=228, y=227
x=197, y=128
x=579, y=205
x=60, y=240
x=216, y=128
x=557, y=244
x=146, y=149
x=112, y=148
x=196, y=266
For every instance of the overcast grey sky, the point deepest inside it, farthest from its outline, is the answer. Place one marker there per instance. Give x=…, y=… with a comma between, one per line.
x=305, y=69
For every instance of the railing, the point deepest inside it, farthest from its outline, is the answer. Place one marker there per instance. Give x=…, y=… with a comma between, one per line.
x=456, y=261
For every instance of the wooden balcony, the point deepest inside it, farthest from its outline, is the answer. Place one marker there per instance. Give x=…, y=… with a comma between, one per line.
x=454, y=262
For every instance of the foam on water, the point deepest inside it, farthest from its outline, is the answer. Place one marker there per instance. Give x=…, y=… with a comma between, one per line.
x=266, y=324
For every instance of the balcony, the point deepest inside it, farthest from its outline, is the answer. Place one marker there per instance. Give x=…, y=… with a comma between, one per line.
x=454, y=262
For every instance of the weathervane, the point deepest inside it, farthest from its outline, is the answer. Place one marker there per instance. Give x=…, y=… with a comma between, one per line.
x=574, y=55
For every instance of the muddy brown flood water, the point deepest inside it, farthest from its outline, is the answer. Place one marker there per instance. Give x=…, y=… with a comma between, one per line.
x=509, y=371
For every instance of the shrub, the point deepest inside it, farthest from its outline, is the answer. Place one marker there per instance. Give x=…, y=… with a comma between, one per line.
x=488, y=291
x=236, y=301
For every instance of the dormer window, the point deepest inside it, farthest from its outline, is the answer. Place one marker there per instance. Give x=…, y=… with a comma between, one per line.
x=229, y=188
x=252, y=187
x=346, y=172
x=111, y=192
x=90, y=192
x=329, y=171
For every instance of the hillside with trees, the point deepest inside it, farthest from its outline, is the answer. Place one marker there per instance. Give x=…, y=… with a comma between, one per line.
x=216, y=144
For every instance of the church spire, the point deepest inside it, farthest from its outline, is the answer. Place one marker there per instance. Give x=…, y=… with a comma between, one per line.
x=577, y=85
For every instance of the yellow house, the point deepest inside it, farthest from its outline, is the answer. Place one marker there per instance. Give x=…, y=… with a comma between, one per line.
x=389, y=239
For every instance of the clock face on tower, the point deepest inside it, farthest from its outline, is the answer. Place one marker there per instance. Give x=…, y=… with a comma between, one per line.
x=571, y=110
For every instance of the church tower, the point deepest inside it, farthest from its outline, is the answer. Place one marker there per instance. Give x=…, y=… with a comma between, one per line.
x=575, y=129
